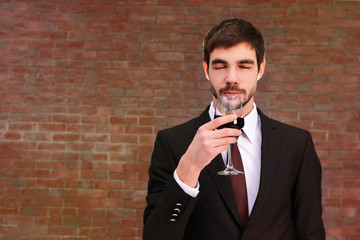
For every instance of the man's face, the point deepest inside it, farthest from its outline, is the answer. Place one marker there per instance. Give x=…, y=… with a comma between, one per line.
x=234, y=71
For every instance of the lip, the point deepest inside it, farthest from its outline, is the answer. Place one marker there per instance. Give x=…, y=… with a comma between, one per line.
x=231, y=93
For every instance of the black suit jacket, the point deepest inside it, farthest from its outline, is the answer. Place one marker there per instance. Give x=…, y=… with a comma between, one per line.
x=288, y=205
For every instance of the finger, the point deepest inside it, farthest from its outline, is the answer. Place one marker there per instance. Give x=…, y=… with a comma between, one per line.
x=221, y=148
x=217, y=122
x=223, y=143
x=227, y=132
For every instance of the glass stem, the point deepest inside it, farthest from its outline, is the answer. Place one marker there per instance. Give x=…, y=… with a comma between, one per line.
x=229, y=161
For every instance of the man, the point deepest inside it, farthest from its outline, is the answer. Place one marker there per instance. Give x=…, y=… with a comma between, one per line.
x=187, y=199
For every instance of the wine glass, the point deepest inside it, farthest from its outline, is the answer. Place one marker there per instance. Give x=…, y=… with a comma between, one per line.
x=227, y=105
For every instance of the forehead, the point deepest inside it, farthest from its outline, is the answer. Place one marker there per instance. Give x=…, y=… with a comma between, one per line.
x=238, y=52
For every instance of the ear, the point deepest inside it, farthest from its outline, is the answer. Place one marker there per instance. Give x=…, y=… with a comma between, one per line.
x=262, y=69
x=206, y=70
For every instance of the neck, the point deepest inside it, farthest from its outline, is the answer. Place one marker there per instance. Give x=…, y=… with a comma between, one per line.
x=249, y=106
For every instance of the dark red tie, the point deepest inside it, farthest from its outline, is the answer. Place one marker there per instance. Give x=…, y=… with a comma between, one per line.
x=238, y=183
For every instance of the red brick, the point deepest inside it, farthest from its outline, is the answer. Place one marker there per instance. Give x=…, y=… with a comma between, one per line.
x=38, y=25
x=56, y=183
x=8, y=210
x=94, y=119
x=94, y=231
x=80, y=146
x=52, y=127
x=66, y=137
x=19, y=202
x=264, y=3
x=94, y=138
x=62, y=230
x=66, y=118
x=314, y=60
x=171, y=19
x=12, y=136
x=67, y=26
x=11, y=98
x=65, y=174
x=107, y=203
x=138, y=18
x=8, y=154
x=18, y=220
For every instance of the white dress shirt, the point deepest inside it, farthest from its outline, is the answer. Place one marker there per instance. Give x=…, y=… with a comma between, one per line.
x=249, y=144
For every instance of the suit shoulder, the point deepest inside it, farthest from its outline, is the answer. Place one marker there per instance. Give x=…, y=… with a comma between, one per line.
x=181, y=129
x=286, y=129
x=289, y=127
x=189, y=127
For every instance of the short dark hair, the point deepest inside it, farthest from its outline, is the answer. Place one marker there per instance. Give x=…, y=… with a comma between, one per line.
x=232, y=32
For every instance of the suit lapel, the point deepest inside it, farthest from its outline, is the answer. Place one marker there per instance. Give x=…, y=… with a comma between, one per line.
x=270, y=153
x=202, y=119
x=222, y=183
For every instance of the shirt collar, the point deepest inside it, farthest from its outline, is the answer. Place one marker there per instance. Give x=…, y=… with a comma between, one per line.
x=251, y=122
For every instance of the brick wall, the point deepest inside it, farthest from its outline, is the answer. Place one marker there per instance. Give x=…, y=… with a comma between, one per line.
x=86, y=84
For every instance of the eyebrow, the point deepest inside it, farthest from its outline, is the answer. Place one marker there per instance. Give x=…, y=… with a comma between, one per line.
x=243, y=61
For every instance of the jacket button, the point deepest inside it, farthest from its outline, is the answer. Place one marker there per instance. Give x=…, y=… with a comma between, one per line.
x=175, y=212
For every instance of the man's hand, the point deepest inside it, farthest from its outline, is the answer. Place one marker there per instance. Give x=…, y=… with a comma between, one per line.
x=206, y=145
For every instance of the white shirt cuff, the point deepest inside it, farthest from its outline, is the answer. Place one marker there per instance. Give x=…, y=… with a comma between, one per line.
x=193, y=192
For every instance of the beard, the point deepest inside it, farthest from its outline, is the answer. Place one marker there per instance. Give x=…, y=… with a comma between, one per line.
x=234, y=88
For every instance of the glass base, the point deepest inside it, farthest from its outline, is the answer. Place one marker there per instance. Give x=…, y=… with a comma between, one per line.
x=230, y=171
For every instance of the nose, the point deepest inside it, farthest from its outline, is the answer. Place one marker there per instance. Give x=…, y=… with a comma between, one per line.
x=231, y=77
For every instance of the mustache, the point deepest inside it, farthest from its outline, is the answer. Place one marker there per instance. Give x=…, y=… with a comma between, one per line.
x=233, y=88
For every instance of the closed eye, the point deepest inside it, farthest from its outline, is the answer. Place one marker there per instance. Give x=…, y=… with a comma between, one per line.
x=245, y=67
x=217, y=67
x=246, y=63
x=218, y=64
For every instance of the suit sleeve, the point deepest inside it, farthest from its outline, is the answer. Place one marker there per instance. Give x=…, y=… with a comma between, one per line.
x=168, y=206
x=307, y=196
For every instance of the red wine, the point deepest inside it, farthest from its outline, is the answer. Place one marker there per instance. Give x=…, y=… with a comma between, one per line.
x=239, y=124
